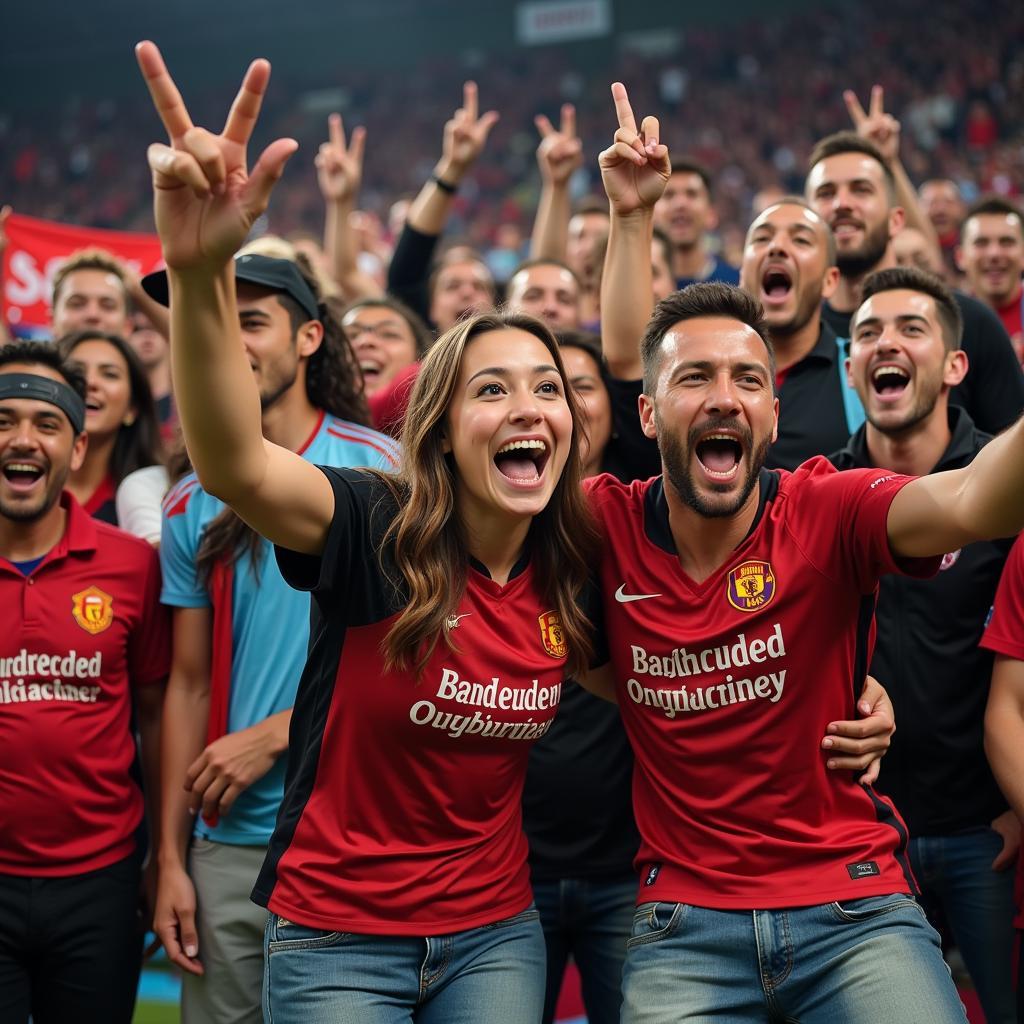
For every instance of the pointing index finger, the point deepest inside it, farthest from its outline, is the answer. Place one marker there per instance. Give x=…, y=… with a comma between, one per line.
x=568, y=125
x=877, y=96
x=164, y=93
x=623, y=110
x=246, y=108
x=470, y=101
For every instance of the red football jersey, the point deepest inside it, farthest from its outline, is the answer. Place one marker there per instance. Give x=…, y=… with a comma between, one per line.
x=82, y=628
x=402, y=813
x=726, y=688
x=1004, y=634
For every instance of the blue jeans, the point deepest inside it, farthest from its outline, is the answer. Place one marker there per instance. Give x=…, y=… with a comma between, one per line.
x=857, y=962
x=589, y=920
x=494, y=974
x=956, y=872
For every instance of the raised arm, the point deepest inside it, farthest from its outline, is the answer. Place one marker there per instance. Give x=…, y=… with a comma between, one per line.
x=884, y=131
x=5, y=212
x=558, y=155
x=339, y=172
x=634, y=170
x=944, y=511
x=205, y=202
x=465, y=135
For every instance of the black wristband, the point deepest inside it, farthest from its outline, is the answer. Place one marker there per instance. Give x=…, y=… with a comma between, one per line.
x=444, y=186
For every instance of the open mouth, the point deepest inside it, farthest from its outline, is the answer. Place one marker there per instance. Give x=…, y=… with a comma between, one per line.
x=371, y=371
x=776, y=284
x=889, y=381
x=720, y=455
x=846, y=228
x=522, y=462
x=22, y=475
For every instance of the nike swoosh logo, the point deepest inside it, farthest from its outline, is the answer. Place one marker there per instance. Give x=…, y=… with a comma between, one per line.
x=623, y=598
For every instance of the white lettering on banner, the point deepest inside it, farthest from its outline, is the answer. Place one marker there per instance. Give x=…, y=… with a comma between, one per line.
x=682, y=663
x=487, y=695
x=15, y=669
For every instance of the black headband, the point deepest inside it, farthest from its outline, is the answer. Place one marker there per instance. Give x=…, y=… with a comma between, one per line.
x=45, y=389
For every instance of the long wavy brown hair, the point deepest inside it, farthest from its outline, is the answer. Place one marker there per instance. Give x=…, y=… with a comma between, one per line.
x=428, y=539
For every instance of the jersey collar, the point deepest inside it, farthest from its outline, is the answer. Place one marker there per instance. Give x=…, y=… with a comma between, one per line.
x=79, y=532
x=656, y=524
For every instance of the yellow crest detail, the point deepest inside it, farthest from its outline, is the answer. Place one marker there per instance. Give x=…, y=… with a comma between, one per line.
x=551, y=634
x=751, y=586
x=93, y=609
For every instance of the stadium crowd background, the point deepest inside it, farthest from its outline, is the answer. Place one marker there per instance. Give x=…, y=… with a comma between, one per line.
x=748, y=99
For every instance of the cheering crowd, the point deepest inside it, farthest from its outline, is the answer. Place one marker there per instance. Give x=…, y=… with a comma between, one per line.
x=304, y=542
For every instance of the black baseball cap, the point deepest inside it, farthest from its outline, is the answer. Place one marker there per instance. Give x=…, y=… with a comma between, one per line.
x=277, y=275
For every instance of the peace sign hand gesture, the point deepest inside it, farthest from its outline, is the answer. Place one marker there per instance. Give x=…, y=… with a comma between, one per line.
x=339, y=170
x=205, y=199
x=876, y=125
x=635, y=169
x=560, y=152
x=465, y=134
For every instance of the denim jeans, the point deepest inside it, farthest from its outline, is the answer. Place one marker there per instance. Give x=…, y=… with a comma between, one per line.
x=488, y=975
x=858, y=962
x=977, y=902
x=590, y=921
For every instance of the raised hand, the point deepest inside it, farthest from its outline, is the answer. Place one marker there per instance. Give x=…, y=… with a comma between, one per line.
x=560, y=152
x=635, y=168
x=465, y=135
x=875, y=125
x=205, y=198
x=339, y=169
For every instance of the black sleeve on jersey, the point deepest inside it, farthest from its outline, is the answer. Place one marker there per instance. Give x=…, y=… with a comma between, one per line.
x=409, y=269
x=993, y=390
x=593, y=607
x=631, y=454
x=349, y=568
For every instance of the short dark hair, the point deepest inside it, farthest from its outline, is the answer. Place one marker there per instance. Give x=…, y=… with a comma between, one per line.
x=993, y=204
x=851, y=142
x=795, y=200
x=44, y=353
x=585, y=340
x=688, y=165
x=545, y=261
x=915, y=280
x=706, y=299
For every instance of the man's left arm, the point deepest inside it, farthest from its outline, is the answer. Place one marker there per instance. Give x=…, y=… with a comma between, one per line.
x=149, y=701
x=944, y=511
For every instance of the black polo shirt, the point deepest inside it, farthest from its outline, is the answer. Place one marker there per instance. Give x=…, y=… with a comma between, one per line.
x=993, y=390
x=812, y=414
x=927, y=657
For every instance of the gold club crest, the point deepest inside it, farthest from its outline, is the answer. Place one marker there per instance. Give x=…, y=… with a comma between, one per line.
x=551, y=634
x=93, y=610
x=751, y=586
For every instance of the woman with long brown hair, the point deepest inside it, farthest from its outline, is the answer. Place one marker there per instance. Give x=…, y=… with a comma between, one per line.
x=446, y=614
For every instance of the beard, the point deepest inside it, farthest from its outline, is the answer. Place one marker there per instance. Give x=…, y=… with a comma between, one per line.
x=19, y=512
x=925, y=400
x=677, y=456
x=858, y=262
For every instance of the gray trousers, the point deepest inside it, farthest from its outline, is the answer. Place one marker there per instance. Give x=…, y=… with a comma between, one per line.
x=230, y=930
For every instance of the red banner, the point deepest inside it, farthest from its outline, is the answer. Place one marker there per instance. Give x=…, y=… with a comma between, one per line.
x=36, y=248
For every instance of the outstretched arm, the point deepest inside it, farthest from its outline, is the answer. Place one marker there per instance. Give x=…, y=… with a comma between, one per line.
x=635, y=170
x=205, y=202
x=339, y=172
x=944, y=511
x=884, y=131
x=558, y=155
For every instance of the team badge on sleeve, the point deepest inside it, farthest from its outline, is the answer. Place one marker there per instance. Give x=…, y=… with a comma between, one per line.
x=750, y=586
x=551, y=634
x=93, y=610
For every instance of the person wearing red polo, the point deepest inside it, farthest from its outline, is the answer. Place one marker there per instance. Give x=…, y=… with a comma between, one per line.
x=84, y=638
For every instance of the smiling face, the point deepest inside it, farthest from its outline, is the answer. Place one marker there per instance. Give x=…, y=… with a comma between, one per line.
x=91, y=299
x=383, y=343
x=713, y=412
x=548, y=292
x=509, y=426
x=992, y=256
x=850, y=193
x=899, y=362
x=38, y=451
x=108, y=395
x=786, y=266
